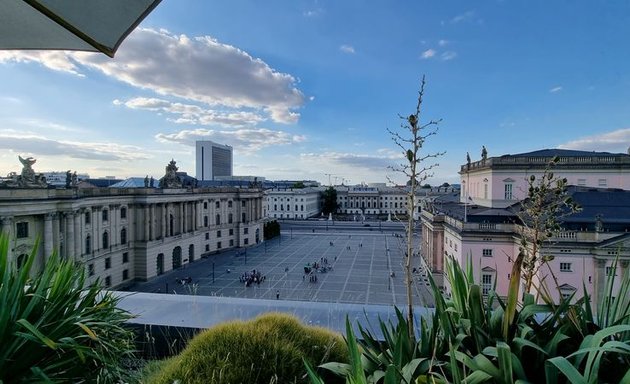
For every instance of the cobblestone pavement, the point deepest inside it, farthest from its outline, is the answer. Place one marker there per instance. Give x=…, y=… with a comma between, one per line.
x=367, y=268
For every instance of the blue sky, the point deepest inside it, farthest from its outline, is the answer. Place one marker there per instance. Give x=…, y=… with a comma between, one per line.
x=304, y=88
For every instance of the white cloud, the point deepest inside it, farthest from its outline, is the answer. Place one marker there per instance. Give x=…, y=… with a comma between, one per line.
x=42, y=146
x=313, y=12
x=429, y=53
x=448, y=55
x=377, y=163
x=199, y=69
x=346, y=49
x=614, y=141
x=466, y=16
x=555, y=89
x=244, y=139
x=442, y=42
x=193, y=114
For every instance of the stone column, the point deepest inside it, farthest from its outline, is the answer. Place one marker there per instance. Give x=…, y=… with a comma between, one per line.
x=600, y=280
x=152, y=227
x=181, y=217
x=7, y=224
x=78, y=238
x=146, y=222
x=69, y=242
x=164, y=219
x=48, y=235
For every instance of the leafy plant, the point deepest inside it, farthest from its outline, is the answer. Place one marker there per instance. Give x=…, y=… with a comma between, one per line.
x=56, y=328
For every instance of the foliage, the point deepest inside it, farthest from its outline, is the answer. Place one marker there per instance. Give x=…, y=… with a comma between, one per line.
x=464, y=341
x=270, y=348
x=330, y=200
x=298, y=185
x=540, y=214
x=56, y=328
x=271, y=229
x=416, y=170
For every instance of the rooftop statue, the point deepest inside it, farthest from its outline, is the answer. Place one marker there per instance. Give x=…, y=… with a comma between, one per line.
x=170, y=179
x=27, y=179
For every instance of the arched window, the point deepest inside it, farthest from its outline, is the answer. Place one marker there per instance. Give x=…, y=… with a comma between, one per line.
x=123, y=236
x=88, y=244
x=218, y=219
x=105, y=239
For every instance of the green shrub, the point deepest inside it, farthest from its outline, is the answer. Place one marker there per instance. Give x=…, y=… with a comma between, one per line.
x=54, y=328
x=268, y=349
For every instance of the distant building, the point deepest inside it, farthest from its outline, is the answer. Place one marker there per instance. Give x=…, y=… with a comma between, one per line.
x=212, y=160
x=293, y=203
x=58, y=178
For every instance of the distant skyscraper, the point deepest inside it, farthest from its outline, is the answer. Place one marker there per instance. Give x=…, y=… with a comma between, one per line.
x=213, y=160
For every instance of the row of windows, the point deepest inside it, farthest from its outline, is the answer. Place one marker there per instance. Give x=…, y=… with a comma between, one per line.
x=275, y=207
x=105, y=240
x=105, y=215
x=108, y=278
x=108, y=263
x=217, y=204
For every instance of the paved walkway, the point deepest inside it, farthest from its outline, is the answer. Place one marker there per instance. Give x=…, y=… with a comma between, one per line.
x=362, y=265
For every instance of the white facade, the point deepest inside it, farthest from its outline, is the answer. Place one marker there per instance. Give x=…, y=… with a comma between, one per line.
x=293, y=203
x=121, y=235
x=212, y=160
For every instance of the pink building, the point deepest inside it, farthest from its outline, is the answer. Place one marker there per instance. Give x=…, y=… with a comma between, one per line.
x=486, y=230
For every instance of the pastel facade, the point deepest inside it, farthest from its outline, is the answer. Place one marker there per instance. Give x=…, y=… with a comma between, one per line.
x=486, y=232
x=121, y=235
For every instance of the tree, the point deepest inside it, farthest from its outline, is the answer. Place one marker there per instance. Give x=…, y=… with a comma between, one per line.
x=330, y=201
x=416, y=169
x=298, y=185
x=540, y=215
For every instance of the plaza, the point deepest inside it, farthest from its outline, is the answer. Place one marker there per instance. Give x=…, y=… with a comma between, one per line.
x=367, y=268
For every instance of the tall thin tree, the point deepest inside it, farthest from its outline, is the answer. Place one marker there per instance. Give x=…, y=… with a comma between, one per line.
x=416, y=169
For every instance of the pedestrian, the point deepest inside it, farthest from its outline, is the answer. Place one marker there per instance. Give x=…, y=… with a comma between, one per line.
x=278, y=295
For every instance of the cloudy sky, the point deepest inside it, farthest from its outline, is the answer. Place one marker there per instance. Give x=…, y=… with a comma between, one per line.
x=305, y=88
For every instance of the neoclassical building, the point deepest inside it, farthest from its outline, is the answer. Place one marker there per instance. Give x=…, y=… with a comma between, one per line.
x=121, y=235
x=293, y=203
x=483, y=225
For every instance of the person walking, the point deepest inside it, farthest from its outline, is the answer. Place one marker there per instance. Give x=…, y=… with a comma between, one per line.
x=278, y=295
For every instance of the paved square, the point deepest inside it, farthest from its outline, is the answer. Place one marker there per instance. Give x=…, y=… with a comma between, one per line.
x=362, y=267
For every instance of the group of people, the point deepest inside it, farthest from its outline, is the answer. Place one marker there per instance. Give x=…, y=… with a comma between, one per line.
x=252, y=277
x=184, y=281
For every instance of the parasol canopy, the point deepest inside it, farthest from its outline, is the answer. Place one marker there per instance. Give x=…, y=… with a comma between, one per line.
x=76, y=25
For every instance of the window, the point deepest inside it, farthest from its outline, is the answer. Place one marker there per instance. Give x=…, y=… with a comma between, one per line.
x=611, y=271
x=125, y=257
x=105, y=214
x=230, y=204
x=246, y=241
x=207, y=247
x=601, y=182
x=275, y=207
x=487, y=252
x=230, y=218
x=90, y=269
x=21, y=260
x=301, y=208
x=105, y=239
x=486, y=283
x=123, y=213
x=245, y=231
x=565, y=267
x=205, y=205
x=243, y=217
x=108, y=262
x=243, y=203
x=88, y=217
x=508, y=192
x=217, y=205
x=218, y=219
x=231, y=231
x=218, y=245
x=125, y=274
x=296, y=208
x=218, y=233
x=88, y=244
x=231, y=242
x=207, y=235
x=123, y=236
x=205, y=221
x=108, y=281
x=22, y=230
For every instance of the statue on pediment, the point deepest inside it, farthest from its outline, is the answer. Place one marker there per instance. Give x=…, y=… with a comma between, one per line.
x=27, y=179
x=170, y=179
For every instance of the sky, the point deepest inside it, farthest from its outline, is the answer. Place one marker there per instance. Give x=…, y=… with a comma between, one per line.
x=306, y=88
